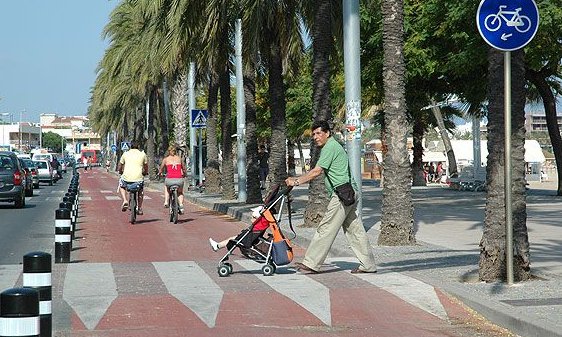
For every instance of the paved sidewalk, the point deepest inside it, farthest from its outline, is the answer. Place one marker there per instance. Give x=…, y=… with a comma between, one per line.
x=448, y=228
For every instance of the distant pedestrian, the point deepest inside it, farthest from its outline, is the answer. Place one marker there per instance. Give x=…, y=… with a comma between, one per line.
x=431, y=172
x=334, y=163
x=439, y=172
x=263, y=158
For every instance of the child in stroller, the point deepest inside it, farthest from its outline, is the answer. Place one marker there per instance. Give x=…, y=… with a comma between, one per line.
x=251, y=241
x=259, y=225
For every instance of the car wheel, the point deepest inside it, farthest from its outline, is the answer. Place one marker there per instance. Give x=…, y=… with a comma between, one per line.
x=36, y=185
x=20, y=202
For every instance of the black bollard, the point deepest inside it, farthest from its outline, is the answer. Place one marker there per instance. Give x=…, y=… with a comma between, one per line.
x=63, y=243
x=19, y=312
x=70, y=197
x=37, y=275
x=67, y=205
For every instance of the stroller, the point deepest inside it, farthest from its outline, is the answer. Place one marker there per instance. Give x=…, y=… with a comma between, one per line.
x=273, y=249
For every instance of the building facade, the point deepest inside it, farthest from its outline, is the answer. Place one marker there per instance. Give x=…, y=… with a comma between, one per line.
x=75, y=129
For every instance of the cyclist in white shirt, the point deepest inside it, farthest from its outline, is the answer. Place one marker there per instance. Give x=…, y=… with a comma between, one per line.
x=133, y=166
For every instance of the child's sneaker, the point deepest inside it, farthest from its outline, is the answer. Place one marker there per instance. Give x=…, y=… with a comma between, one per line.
x=214, y=244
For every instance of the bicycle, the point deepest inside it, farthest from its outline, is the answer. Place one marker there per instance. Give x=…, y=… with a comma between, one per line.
x=521, y=23
x=133, y=189
x=174, y=204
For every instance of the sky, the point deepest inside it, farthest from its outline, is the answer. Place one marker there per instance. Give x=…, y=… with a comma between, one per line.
x=49, y=51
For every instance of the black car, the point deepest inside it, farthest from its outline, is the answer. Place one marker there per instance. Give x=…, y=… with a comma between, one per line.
x=28, y=178
x=12, y=179
x=34, y=172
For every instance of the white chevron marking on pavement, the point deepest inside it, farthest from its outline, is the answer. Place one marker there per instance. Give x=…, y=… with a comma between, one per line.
x=187, y=282
x=308, y=293
x=9, y=274
x=89, y=288
x=112, y=197
x=409, y=289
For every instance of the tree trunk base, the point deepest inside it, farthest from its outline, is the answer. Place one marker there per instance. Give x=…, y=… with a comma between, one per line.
x=212, y=178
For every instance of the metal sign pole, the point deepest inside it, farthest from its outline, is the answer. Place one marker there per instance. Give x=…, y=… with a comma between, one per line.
x=507, y=168
x=200, y=156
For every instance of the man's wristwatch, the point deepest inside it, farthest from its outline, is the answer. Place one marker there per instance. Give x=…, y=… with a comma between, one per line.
x=297, y=182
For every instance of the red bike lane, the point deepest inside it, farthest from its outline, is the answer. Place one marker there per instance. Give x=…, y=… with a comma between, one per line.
x=160, y=279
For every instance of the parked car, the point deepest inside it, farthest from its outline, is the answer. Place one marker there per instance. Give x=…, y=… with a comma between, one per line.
x=12, y=179
x=28, y=181
x=33, y=168
x=44, y=171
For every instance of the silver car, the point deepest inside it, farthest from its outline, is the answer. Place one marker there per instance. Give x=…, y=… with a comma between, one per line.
x=44, y=171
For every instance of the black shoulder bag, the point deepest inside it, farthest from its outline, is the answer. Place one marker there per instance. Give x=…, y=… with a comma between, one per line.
x=345, y=192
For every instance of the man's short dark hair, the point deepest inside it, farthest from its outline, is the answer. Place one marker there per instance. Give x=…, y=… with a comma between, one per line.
x=323, y=125
x=134, y=144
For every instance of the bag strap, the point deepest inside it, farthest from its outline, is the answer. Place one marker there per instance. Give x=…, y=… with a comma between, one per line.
x=289, y=217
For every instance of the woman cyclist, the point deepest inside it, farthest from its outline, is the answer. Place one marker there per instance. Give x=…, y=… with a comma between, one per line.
x=175, y=172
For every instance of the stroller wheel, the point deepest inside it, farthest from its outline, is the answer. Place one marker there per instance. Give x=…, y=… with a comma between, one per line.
x=268, y=270
x=229, y=266
x=223, y=271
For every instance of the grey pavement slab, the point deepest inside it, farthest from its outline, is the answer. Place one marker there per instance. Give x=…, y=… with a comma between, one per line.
x=448, y=225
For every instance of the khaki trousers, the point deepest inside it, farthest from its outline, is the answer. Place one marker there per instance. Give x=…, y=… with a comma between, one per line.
x=337, y=215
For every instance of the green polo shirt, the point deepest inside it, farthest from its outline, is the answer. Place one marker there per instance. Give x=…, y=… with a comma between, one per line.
x=333, y=159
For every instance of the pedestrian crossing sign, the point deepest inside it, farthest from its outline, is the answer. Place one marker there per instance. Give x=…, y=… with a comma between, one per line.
x=125, y=146
x=199, y=118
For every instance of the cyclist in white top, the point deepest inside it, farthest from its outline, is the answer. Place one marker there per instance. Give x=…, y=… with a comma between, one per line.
x=133, y=166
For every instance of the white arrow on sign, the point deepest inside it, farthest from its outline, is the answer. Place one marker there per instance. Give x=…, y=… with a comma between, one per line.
x=505, y=36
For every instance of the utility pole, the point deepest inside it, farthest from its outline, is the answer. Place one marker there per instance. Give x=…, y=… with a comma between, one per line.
x=352, y=69
x=240, y=116
x=191, y=104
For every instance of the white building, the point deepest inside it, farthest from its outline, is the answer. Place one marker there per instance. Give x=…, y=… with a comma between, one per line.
x=22, y=137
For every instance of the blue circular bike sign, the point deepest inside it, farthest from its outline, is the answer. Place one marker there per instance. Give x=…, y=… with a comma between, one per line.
x=507, y=24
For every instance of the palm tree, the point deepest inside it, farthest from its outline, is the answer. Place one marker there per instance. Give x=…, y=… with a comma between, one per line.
x=273, y=29
x=322, y=47
x=397, y=208
x=493, y=242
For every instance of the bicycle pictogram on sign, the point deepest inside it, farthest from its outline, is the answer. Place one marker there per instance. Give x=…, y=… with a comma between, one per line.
x=507, y=24
x=521, y=23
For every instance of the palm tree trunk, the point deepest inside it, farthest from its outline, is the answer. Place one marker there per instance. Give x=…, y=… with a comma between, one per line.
x=291, y=157
x=179, y=112
x=227, y=182
x=253, y=182
x=150, y=142
x=301, y=155
x=162, y=125
x=322, y=45
x=549, y=102
x=397, y=221
x=278, y=154
x=417, y=163
x=452, y=161
x=212, y=171
x=493, y=245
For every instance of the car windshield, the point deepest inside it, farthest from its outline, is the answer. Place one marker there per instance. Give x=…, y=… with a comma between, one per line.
x=41, y=164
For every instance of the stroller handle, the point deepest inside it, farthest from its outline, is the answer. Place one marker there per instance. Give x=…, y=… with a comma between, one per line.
x=286, y=190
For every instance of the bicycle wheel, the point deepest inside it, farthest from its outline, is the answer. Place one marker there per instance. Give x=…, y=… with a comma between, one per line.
x=171, y=203
x=492, y=22
x=176, y=207
x=133, y=207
